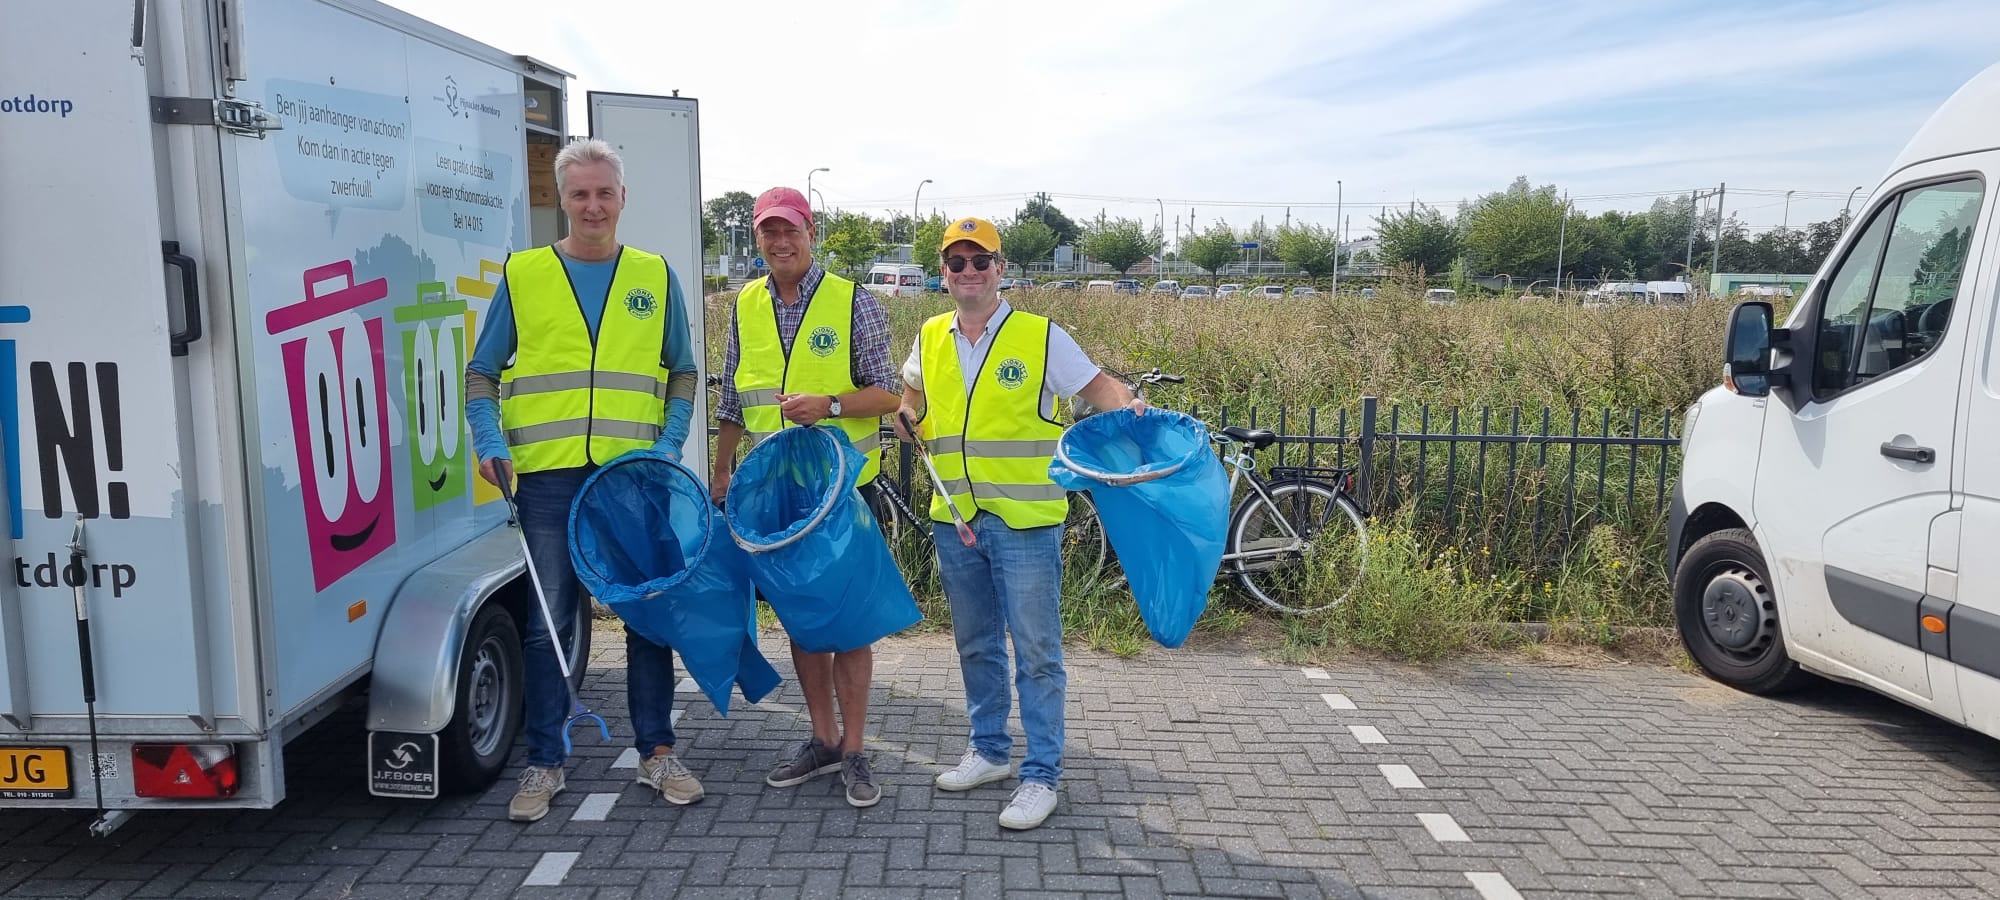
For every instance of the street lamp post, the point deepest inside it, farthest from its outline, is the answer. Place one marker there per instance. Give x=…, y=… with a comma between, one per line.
x=1338, y=198
x=913, y=206
x=809, y=185
x=1562, y=237
x=1850, y=199
x=1788, y=213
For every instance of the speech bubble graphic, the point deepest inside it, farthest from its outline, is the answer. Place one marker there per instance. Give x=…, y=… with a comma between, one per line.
x=342, y=148
x=461, y=192
x=340, y=409
x=434, y=392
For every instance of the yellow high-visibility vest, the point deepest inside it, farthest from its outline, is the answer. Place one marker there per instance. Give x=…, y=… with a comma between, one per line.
x=821, y=362
x=567, y=401
x=992, y=446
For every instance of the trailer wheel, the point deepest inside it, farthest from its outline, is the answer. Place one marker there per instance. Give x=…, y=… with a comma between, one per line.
x=1728, y=617
x=487, y=713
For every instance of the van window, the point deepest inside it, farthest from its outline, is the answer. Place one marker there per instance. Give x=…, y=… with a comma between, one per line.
x=1889, y=301
x=881, y=278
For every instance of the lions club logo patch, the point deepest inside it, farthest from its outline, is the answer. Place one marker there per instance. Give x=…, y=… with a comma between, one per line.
x=823, y=341
x=640, y=303
x=1012, y=373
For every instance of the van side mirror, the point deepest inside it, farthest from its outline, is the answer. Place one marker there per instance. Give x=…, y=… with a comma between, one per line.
x=1747, y=364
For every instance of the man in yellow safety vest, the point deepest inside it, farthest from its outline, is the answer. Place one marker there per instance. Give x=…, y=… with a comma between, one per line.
x=585, y=355
x=985, y=381
x=809, y=347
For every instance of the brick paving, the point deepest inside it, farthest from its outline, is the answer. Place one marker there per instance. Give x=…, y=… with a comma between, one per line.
x=1190, y=772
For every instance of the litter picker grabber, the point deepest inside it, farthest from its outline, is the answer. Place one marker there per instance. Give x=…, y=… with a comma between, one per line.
x=965, y=535
x=578, y=711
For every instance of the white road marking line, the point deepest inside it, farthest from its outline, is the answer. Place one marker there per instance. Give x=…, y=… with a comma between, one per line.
x=1443, y=828
x=1367, y=734
x=1338, y=702
x=1493, y=886
x=594, y=808
x=1401, y=776
x=551, y=870
x=1317, y=674
x=627, y=760
x=675, y=718
x=686, y=685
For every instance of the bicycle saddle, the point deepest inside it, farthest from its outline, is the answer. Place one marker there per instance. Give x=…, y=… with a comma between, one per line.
x=1256, y=438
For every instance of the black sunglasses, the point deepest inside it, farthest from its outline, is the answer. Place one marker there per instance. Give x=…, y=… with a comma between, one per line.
x=982, y=262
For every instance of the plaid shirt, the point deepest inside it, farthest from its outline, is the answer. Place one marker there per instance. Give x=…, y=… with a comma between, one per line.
x=870, y=367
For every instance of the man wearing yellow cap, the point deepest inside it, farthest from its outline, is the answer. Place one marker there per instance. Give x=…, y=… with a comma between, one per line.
x=984, y=383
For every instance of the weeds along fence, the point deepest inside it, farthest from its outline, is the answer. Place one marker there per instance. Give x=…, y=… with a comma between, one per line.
x=1520, y=487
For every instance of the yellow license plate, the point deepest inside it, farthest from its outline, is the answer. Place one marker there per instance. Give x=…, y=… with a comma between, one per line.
x=34, y=773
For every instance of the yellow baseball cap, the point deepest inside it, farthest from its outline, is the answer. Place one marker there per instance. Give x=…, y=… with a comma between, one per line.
x=978, y=231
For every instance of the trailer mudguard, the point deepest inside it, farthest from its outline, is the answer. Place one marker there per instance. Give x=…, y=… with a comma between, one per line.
x=415, y=682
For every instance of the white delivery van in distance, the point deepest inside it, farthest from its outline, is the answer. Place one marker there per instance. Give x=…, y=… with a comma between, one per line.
x=895, y=280
x=1838, y=509
x=254, y=473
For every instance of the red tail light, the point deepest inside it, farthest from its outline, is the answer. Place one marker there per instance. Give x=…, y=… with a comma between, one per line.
x=186, y=771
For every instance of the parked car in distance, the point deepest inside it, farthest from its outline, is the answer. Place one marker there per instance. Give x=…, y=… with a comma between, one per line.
x=1099, y=286
x=1441, y=295
x=1166, y=286
x=1303, y=291
x=1066, y=284
x=1228, y=289
x=934, y=284
x=1269, y=290
x=895, y=280
x=1367, y=293
x=1008, y=284
x=1197, y=290
x=1126, y=286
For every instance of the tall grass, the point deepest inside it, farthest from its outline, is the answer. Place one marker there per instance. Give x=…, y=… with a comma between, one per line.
x=1519, y=542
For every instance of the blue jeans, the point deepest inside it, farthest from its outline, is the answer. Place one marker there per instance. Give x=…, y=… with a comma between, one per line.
x=1010, y=582
x=544, y=499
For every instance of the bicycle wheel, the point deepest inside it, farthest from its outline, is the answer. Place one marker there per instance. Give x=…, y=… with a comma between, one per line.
x=1085, y=549
x=1303, y=550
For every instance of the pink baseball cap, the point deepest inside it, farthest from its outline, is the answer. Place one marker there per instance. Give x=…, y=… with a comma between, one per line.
x=784, y=203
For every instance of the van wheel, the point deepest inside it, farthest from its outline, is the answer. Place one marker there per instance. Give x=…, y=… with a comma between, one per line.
x=1728, y=616
x=487, y=712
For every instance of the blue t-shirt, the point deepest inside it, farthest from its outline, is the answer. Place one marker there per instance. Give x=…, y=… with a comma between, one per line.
x=591, y=280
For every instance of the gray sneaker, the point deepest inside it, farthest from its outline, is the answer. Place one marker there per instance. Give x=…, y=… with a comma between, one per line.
x=538, y=786
x=813, y=759
x=861, y=789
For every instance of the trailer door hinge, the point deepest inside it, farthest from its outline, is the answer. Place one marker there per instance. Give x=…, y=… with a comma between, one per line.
x=244, y=117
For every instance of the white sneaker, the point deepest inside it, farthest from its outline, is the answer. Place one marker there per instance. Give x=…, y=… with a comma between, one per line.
x=1032, y=803
x=972, y=771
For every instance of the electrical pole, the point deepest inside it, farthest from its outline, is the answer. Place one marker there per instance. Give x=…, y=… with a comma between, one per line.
x=1715, y=257
x=1689, y=266
x=1338, y=198
x=1562, y=238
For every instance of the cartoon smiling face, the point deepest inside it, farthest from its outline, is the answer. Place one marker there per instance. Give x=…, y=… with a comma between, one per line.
x=434, y=377
x=339, y=399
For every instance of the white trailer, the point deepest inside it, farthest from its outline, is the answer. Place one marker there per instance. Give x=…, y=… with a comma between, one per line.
x=244, y=251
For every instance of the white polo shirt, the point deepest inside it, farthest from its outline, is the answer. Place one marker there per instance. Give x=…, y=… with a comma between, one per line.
x=1069, y=369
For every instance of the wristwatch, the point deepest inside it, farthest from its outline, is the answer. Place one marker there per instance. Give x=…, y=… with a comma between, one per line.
x=833, y=406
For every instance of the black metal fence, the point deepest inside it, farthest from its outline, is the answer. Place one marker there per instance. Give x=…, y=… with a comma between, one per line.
x=1522, y=485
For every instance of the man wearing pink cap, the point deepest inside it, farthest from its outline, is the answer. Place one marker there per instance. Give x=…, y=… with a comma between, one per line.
x=808, y=347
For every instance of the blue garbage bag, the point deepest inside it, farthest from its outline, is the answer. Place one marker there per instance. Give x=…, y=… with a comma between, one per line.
x=647, y=543
x=816, y=552
x=1163, y=498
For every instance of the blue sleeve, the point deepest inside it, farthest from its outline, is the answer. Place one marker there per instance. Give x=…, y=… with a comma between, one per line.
x=489, y=354
x=679, y=355
x=679, y=414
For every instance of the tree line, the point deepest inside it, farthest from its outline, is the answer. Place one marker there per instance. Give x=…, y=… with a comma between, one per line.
x=1519, y=231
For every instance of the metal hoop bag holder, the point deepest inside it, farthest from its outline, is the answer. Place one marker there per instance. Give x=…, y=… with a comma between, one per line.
x=646, y=542
x=1164, y=500
x=815, y=551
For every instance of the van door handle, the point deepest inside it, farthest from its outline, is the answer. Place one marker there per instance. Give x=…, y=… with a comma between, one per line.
x=1924, y=455
x=190, y=299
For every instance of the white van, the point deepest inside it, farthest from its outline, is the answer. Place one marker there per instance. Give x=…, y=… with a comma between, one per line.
x=1838, y=506
x=895, y=280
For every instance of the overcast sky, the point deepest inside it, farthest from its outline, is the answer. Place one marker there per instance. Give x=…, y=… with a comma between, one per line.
x=1236, y=109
